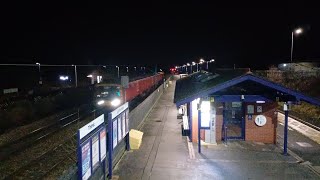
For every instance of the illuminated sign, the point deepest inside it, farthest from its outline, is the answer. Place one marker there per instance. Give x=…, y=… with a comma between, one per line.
x=205, y=114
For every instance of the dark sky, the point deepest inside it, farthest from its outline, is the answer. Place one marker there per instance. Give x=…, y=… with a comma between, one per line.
x=150, y=34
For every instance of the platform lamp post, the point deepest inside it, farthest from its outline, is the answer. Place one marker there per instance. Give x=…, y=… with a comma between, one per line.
x=75, y=75
x=186, y=66
x=285, y=136
x=193, y=63
x=212, y=60
x=297, y=32
x=127, y=69
x=40, y=78
x=201, y=62
x=118, y=71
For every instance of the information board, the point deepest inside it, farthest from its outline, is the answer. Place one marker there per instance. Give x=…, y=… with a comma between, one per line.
x=103, y=144
x=115, y=133
x=86, y=160
x=119, y=129
x=127, y=121
x=123, y=125
x=95, y=152
x=118, y=121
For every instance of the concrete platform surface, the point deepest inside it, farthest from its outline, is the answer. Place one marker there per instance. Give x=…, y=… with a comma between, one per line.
x=165, y=154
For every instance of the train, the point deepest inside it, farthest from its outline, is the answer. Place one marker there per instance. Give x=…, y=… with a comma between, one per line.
x=112, y=95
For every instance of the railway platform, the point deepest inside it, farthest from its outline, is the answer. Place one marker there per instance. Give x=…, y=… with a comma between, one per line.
x=166, y=154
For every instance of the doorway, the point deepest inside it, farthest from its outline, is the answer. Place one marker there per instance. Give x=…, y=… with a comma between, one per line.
x=233, y=120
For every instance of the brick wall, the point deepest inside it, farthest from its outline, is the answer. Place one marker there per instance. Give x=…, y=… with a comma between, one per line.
x=194, y=125
x=266, y=133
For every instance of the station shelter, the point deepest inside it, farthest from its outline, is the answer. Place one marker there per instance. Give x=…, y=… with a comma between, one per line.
x=234, y=105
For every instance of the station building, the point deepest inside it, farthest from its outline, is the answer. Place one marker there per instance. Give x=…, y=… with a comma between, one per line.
x=233, y=104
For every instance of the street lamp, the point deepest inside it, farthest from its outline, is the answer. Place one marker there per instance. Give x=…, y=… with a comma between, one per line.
x=297, y=32
x=127, y=69
x=135, y=68
x=40, y=79
x=118, y=71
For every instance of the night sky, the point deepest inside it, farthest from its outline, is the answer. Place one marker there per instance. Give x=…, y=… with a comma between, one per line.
x=156, y=34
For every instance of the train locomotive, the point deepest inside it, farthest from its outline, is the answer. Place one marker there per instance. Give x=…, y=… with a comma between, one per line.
x=113, y=95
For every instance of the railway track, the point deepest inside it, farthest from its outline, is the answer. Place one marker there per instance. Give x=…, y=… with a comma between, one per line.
x=34, y=136
x=41, y=165
x=37, y=135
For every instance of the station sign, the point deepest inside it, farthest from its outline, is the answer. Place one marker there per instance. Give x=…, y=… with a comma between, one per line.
x=92, y=147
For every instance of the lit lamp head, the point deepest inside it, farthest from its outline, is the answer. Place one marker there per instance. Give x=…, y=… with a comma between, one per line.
x=298, y=31
x=63, y=78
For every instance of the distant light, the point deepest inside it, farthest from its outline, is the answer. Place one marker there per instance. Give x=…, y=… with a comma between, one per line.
x=115, y=102
x=105, y=66
x=284, y=65
x=176, y=67
x=193, y=63
x=89, y=76
x=298, y=31
x=188, y=64
x=260, y=102
x=63, y=78
x=212, y=60
x=160, y=69
x=201, y=60
x=38, y=64
x=100, y=102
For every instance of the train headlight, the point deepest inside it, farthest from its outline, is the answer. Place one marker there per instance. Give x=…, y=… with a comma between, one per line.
x=100, y=102
x=115, y=102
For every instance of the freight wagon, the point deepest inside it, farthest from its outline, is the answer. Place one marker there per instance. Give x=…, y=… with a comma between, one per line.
x=112, y=95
